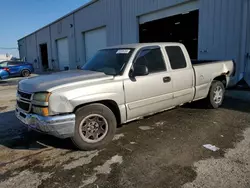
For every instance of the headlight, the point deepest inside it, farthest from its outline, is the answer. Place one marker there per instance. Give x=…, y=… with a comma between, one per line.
x=41, y=97
x=43, y=111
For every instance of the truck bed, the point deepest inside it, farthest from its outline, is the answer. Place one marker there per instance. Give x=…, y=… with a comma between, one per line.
x=201, y=62
x=206, y=71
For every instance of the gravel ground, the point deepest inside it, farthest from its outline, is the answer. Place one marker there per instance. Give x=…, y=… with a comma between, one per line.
x=164, y=150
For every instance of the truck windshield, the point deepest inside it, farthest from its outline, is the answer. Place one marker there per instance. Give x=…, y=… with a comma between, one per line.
x=109, y=61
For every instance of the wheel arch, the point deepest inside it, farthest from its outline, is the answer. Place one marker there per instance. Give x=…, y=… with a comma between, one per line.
x=222, y=78
x=111, y=104
x=24, y=69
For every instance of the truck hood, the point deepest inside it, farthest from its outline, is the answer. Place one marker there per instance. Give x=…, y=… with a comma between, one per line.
x=55, y=80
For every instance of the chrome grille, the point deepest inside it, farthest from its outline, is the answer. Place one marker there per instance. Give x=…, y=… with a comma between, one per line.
x=25, y=95
x=24, y=101
x=23, y=105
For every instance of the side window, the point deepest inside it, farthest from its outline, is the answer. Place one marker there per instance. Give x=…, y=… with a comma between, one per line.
x=3, y=64
x=176, y=57
x=12, y=63
x=153, y=59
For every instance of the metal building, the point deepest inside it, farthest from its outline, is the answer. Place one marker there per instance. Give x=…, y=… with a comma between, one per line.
x=210, y=29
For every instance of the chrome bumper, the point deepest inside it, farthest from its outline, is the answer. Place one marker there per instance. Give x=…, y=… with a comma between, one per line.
x=58, y=126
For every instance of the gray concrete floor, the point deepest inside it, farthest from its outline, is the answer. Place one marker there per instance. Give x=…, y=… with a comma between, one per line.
x=164, y=150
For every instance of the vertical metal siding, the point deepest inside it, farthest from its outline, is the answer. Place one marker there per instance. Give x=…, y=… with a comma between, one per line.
x=22, y=48
x=114, y=21
x=43, y=36
x=220, y=30
x=102, y=13
x=63, y=29
x=247, y=39
x=32, y=50
x=91, y=17
x=134, y=8
x=119, y=17
x=129, y=21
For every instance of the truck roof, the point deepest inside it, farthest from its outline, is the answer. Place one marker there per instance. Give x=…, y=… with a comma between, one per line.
x=140, y=45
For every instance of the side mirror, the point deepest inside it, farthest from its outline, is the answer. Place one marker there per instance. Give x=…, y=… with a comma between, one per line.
x=140, y=70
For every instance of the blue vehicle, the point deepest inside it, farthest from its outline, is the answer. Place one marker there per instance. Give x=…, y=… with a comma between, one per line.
x=17, y=68
x=4, y=73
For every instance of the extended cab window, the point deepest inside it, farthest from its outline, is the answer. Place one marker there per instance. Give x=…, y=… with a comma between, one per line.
x=176, y=57
x=153, y=59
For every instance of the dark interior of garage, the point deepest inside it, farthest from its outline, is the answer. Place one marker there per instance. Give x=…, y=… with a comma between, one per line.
x=179, y=28
x=44, y=56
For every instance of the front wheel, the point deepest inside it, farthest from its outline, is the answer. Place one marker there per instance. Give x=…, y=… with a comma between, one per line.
x=25, y=73
x=216, y=94
x=95, y=127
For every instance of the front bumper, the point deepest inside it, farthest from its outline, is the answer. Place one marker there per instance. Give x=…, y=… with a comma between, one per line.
x=58, y=126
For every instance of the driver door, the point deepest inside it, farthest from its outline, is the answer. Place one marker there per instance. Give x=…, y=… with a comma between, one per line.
x=149, y=93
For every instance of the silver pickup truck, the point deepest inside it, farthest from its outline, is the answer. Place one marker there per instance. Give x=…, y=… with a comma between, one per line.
x=118, y=85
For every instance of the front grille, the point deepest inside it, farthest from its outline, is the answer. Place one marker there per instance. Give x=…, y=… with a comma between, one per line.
x=25, y=95
x=24, y=106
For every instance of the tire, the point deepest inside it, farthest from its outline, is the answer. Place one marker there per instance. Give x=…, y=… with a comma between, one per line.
x=213, y=101
x=83, y=116
x=25, y=73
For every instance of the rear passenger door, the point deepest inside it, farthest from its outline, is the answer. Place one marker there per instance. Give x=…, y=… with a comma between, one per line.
x=150, y=93
x=182, y=74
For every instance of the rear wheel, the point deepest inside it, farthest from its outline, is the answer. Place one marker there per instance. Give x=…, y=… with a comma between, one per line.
x=25, y=73
x=95, y=127
x=216, y=94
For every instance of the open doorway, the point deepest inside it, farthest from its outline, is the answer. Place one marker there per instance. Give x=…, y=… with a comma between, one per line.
x=44, y=56
x=181, y=28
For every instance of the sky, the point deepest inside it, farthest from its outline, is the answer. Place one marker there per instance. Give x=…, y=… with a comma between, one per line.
x=19, y=18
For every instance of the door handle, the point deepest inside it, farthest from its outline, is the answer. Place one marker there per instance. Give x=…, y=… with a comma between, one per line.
x=167, y=79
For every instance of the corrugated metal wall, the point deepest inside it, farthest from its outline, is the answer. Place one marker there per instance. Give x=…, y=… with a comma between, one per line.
x=102, y=13
x=63, y=29
x=222, y=28
x=43, y=37
x=32, y=51
x=22, y=48
x=131, y=9
x=220, y=31
x=247, y=57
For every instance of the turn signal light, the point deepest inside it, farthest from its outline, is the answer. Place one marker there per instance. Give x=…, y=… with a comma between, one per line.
x=45, y=111
x=41, y=111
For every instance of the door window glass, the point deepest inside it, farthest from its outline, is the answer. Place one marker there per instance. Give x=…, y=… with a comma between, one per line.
x=3, y=64
x=13, y=63
x=153, y=59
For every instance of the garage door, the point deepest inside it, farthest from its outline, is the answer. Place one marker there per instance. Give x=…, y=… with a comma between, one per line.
x=63, y=53
x=179, y=9
x=95, y=40
x=175, y=24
